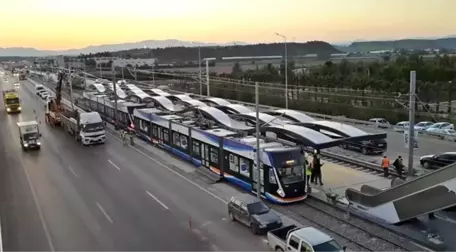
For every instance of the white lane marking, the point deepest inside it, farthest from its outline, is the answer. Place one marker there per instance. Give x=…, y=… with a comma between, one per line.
x=176, y=173
x=40, y=213
x=104, y=212
x=1, y=240
x=72, y=171
x=117, y=167
x=158, y=201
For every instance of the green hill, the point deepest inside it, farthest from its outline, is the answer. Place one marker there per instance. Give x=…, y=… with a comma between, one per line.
x=191, y=53
x=407, y=44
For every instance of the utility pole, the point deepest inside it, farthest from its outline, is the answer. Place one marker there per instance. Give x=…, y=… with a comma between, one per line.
x=411, y=131
x=114, y=85
x=286, y=68
x=71, y=88
x=199, y=75
x=136, y=74
x=123, y=77
x=258, y=160
x=207, y=78
x=101, y=73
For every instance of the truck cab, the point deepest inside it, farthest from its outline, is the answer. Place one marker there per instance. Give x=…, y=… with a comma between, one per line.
x=306, y=239
x=29, y=134
x=92, y=128
x=11, y=101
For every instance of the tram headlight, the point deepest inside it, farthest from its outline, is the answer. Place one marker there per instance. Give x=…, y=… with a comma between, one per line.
x=280, y=192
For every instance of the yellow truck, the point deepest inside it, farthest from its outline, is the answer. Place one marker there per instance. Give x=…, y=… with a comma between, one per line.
x=11, y=101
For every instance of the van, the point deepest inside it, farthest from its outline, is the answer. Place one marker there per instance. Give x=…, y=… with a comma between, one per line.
x=39, y=88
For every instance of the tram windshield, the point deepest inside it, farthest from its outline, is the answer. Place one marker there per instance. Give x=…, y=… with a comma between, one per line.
x=289, y=166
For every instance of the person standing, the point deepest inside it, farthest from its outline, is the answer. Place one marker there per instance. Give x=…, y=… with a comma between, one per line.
x=308, y=172
x=316, y=170
x=385, y=166
x=398, y=164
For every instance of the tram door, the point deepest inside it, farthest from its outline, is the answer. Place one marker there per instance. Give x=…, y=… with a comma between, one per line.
x=255, y=179
x=160, y=135
x=205, y=155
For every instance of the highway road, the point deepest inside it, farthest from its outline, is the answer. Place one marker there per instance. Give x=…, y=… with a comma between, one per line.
x=106, y=197
x=396, y=146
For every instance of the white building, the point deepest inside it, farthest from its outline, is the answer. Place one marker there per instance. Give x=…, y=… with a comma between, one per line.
x=119, y=62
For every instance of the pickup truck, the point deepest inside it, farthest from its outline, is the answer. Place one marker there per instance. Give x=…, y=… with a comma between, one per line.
x=309, y=239
x=88, y=128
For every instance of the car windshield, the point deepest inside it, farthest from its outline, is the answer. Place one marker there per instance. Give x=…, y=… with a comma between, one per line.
x=30, y=136
x=12, y=101
x=257, y=208
x=328, y=246
x=93, y=127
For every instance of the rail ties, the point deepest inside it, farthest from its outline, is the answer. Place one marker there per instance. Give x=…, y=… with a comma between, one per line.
x=350, y=231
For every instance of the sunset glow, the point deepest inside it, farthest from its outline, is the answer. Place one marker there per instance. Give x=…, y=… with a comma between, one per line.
x=63, y=24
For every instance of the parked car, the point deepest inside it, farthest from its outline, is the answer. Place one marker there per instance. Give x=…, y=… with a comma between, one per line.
x=436, y=128
x=438, y=160
x=449, y=134
x=401, y=126
x=43, y=94
x=252, y=212
x=421, y=126
x=380, y=123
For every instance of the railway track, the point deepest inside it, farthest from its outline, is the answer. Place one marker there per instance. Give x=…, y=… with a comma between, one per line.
x=350, y=231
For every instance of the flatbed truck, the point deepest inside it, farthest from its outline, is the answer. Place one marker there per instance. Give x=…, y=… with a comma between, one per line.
x=86, y=127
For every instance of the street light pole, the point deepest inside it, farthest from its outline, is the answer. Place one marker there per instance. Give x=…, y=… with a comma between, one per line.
x=199, y=75
x=258, y=160
x=71, y=88
x=286, y=68
x=114, y=86
x=411, y=131
x=207, y=78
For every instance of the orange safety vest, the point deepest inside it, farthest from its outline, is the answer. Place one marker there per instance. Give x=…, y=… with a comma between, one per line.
x=385, y=163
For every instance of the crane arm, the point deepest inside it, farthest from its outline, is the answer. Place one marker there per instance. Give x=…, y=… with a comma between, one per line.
x=58, y=88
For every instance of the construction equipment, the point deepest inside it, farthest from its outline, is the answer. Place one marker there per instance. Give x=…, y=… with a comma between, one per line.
x=53, y=106
x=11, y=101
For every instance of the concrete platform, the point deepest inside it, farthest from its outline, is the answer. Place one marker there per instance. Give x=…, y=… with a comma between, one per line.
x=337, y=179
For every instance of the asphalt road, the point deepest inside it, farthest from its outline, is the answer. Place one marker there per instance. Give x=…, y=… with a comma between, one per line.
x=106, y=197
x=396, y=146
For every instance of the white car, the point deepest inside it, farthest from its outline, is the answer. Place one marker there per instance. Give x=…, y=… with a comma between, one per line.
x=401, y=126
x=421, y=126
x=44, y=95
x=380, y=123
x=449, y=134
x=17, y=85
x=436, y=128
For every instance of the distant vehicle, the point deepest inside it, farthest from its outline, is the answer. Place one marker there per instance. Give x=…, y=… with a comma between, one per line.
x=252, y=212
x=401, y=126
x=22, y=76
x=17, y=85
x=421, y=126
x=436, y=128
x=39, y=88
x=306, y=239
x=29, y=135
x=438, y=160
x=449, y=134
x=87, y=128
x=380, y=123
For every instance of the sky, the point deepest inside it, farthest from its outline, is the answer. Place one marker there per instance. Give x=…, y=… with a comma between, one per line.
x=65, y=24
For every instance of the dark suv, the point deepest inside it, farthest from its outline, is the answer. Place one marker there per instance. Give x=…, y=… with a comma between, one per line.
x=253, y=213
x=438, y=160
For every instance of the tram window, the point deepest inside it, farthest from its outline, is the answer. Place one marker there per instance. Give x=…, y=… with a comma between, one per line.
x=272, y=178
x=176, y=139
x=183, y=142
x=196, y=149
x=214, y=155
x=154, y=131
x=244, y=164
x=165, y=135
x=143, y=125
x=234, y=163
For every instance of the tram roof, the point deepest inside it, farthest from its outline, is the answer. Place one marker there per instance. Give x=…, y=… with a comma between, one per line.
x=293, y=115
x=216, y=101
x=342, y=130
x=220, y=117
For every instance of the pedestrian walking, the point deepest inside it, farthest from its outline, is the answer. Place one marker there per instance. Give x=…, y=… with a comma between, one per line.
x=385, y=166
x=316, y=170
x=399, y=166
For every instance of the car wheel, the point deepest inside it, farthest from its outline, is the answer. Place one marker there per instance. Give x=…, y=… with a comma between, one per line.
x=231, y=216
x=364, y=151
x=279, y=250
x=426, y=165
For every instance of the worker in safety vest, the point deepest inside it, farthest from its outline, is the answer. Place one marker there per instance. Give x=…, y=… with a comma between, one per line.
x=385, y=166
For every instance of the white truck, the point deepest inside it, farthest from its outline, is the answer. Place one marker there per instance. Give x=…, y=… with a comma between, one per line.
x=294, y=239
x=86, y=127
x=29, y=134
